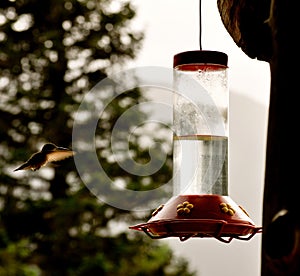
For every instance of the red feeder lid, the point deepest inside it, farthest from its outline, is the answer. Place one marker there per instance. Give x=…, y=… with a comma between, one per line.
x=200, y=56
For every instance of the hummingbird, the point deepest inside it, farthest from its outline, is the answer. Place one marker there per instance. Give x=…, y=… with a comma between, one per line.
x=49, y=153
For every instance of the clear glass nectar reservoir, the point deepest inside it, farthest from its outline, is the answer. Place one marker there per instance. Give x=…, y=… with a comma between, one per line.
x=200, y=123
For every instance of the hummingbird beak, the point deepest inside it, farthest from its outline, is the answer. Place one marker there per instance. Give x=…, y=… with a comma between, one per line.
x=61, y=148
x=64, y=150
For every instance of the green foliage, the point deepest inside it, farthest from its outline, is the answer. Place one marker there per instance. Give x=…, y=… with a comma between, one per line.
x=52, y=54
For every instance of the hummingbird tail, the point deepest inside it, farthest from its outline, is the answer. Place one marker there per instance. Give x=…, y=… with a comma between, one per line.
x=22, y=167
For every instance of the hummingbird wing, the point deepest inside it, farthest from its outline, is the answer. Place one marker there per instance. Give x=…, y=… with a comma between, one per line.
x=59, y=155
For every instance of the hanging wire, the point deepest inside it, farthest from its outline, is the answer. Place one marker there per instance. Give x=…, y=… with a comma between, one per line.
x=200, y=26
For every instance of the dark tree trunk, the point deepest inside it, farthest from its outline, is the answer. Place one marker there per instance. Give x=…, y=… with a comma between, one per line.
x=268, y=30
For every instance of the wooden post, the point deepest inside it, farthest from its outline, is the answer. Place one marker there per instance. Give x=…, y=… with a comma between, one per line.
x=276, y=41
x=281, y=207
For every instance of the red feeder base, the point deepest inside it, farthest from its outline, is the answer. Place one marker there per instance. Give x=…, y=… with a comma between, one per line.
x=187, y=216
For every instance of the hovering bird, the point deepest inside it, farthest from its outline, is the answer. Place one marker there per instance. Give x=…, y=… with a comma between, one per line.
x=49, y=153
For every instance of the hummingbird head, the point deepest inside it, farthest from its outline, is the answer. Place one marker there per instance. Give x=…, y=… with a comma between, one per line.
x=49, y=147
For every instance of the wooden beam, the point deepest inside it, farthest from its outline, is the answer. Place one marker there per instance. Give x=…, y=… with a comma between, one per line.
x=275, y=39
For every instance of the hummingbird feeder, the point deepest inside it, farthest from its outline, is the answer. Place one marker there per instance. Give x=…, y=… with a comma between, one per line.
x=200, y=205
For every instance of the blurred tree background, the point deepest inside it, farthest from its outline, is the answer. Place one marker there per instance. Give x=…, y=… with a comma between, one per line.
x=52, y=53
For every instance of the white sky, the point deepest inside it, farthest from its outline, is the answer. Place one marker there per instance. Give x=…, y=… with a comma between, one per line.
x=172, y=26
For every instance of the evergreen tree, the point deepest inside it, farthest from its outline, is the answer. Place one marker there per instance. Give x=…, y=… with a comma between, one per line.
x=52, y=54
